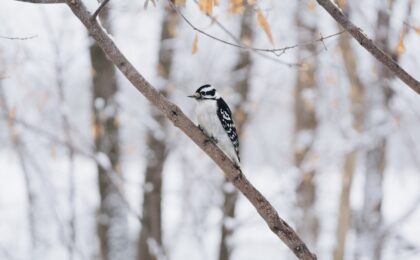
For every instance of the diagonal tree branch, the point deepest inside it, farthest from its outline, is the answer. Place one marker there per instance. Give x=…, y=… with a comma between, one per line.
x=178, y=118
x=369, y=45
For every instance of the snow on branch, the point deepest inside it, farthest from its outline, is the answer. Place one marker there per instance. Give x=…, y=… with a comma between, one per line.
x=369, y=45
x=180, y=120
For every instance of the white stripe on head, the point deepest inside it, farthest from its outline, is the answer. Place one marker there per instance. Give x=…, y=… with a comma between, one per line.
x=205, y=88
x=208, y=92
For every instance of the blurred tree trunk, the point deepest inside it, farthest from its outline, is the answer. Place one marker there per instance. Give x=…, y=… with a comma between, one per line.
x=357, y=109
x=242, y=72
x=369, y=240
x=112, y=225
x=150, y=239
x=37, y=238
x=66, y=128
x=306, y=121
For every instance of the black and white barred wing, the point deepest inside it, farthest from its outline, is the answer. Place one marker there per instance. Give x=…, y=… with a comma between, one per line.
x=225, y=116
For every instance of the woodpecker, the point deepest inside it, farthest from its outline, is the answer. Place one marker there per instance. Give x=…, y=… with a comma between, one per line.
x=215, y=120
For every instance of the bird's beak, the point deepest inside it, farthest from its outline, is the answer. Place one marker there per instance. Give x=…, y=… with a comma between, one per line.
x=195, y=95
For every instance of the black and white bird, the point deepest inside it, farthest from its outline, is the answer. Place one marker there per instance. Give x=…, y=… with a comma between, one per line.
x=215, y=119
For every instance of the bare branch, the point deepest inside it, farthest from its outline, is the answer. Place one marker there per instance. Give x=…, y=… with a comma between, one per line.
x=18, y=38
x=101, y=6
x=369, y=45
x=43, y=1
x=238, y=44
x=178, y=118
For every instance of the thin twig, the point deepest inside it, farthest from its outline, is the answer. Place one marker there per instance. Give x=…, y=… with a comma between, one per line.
x=18, y=38
x=101, y=6
x=277, y=51
x=238, y=41
x=115, y=178
x=25, y=161
x=43, y=1
x=322, y=41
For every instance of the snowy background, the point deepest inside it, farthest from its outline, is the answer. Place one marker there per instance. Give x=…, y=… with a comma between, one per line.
x=192, y=184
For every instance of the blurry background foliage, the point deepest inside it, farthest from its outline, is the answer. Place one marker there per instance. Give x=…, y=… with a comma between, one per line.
x=90, y=170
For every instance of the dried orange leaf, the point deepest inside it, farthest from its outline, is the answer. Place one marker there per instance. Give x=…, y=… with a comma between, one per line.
x=195, y=45
x=206, y=6
x=264, y=25
x=236, y=6
x=180, y=2
x=96, y=130
x=417, y=29
x=400, y=48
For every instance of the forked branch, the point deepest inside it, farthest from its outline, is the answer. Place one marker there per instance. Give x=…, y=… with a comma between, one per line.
x=101, y=6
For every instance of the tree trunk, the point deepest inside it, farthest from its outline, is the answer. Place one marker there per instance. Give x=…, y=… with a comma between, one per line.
x=150, y=240
x=306, y=122
x=370, y=243
x=242, y=86
x=357, y=109
x=112, y=225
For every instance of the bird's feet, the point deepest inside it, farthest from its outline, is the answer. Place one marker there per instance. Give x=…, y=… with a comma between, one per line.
x=199, y=127
x=210, y=139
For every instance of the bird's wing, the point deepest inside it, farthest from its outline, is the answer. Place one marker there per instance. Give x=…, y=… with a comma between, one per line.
x=225, y=117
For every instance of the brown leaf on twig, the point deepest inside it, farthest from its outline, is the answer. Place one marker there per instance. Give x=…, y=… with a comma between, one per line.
x=262, y=21
x=180, y=2
x=236, y=6
x=206, y=6
x=400, y=48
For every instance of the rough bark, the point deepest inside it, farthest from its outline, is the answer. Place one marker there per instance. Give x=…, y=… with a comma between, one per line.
x=157, y=149
x=306, y=123
x=178, y=118
x=356, y=93
x=377, y=97
x=377, y=51
x=241, y=83
x=112, y=217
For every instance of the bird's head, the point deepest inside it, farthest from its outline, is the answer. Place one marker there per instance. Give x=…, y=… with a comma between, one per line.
x=205, y=92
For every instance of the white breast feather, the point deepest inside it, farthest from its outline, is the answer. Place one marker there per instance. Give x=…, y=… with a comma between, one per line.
x=207, y=118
